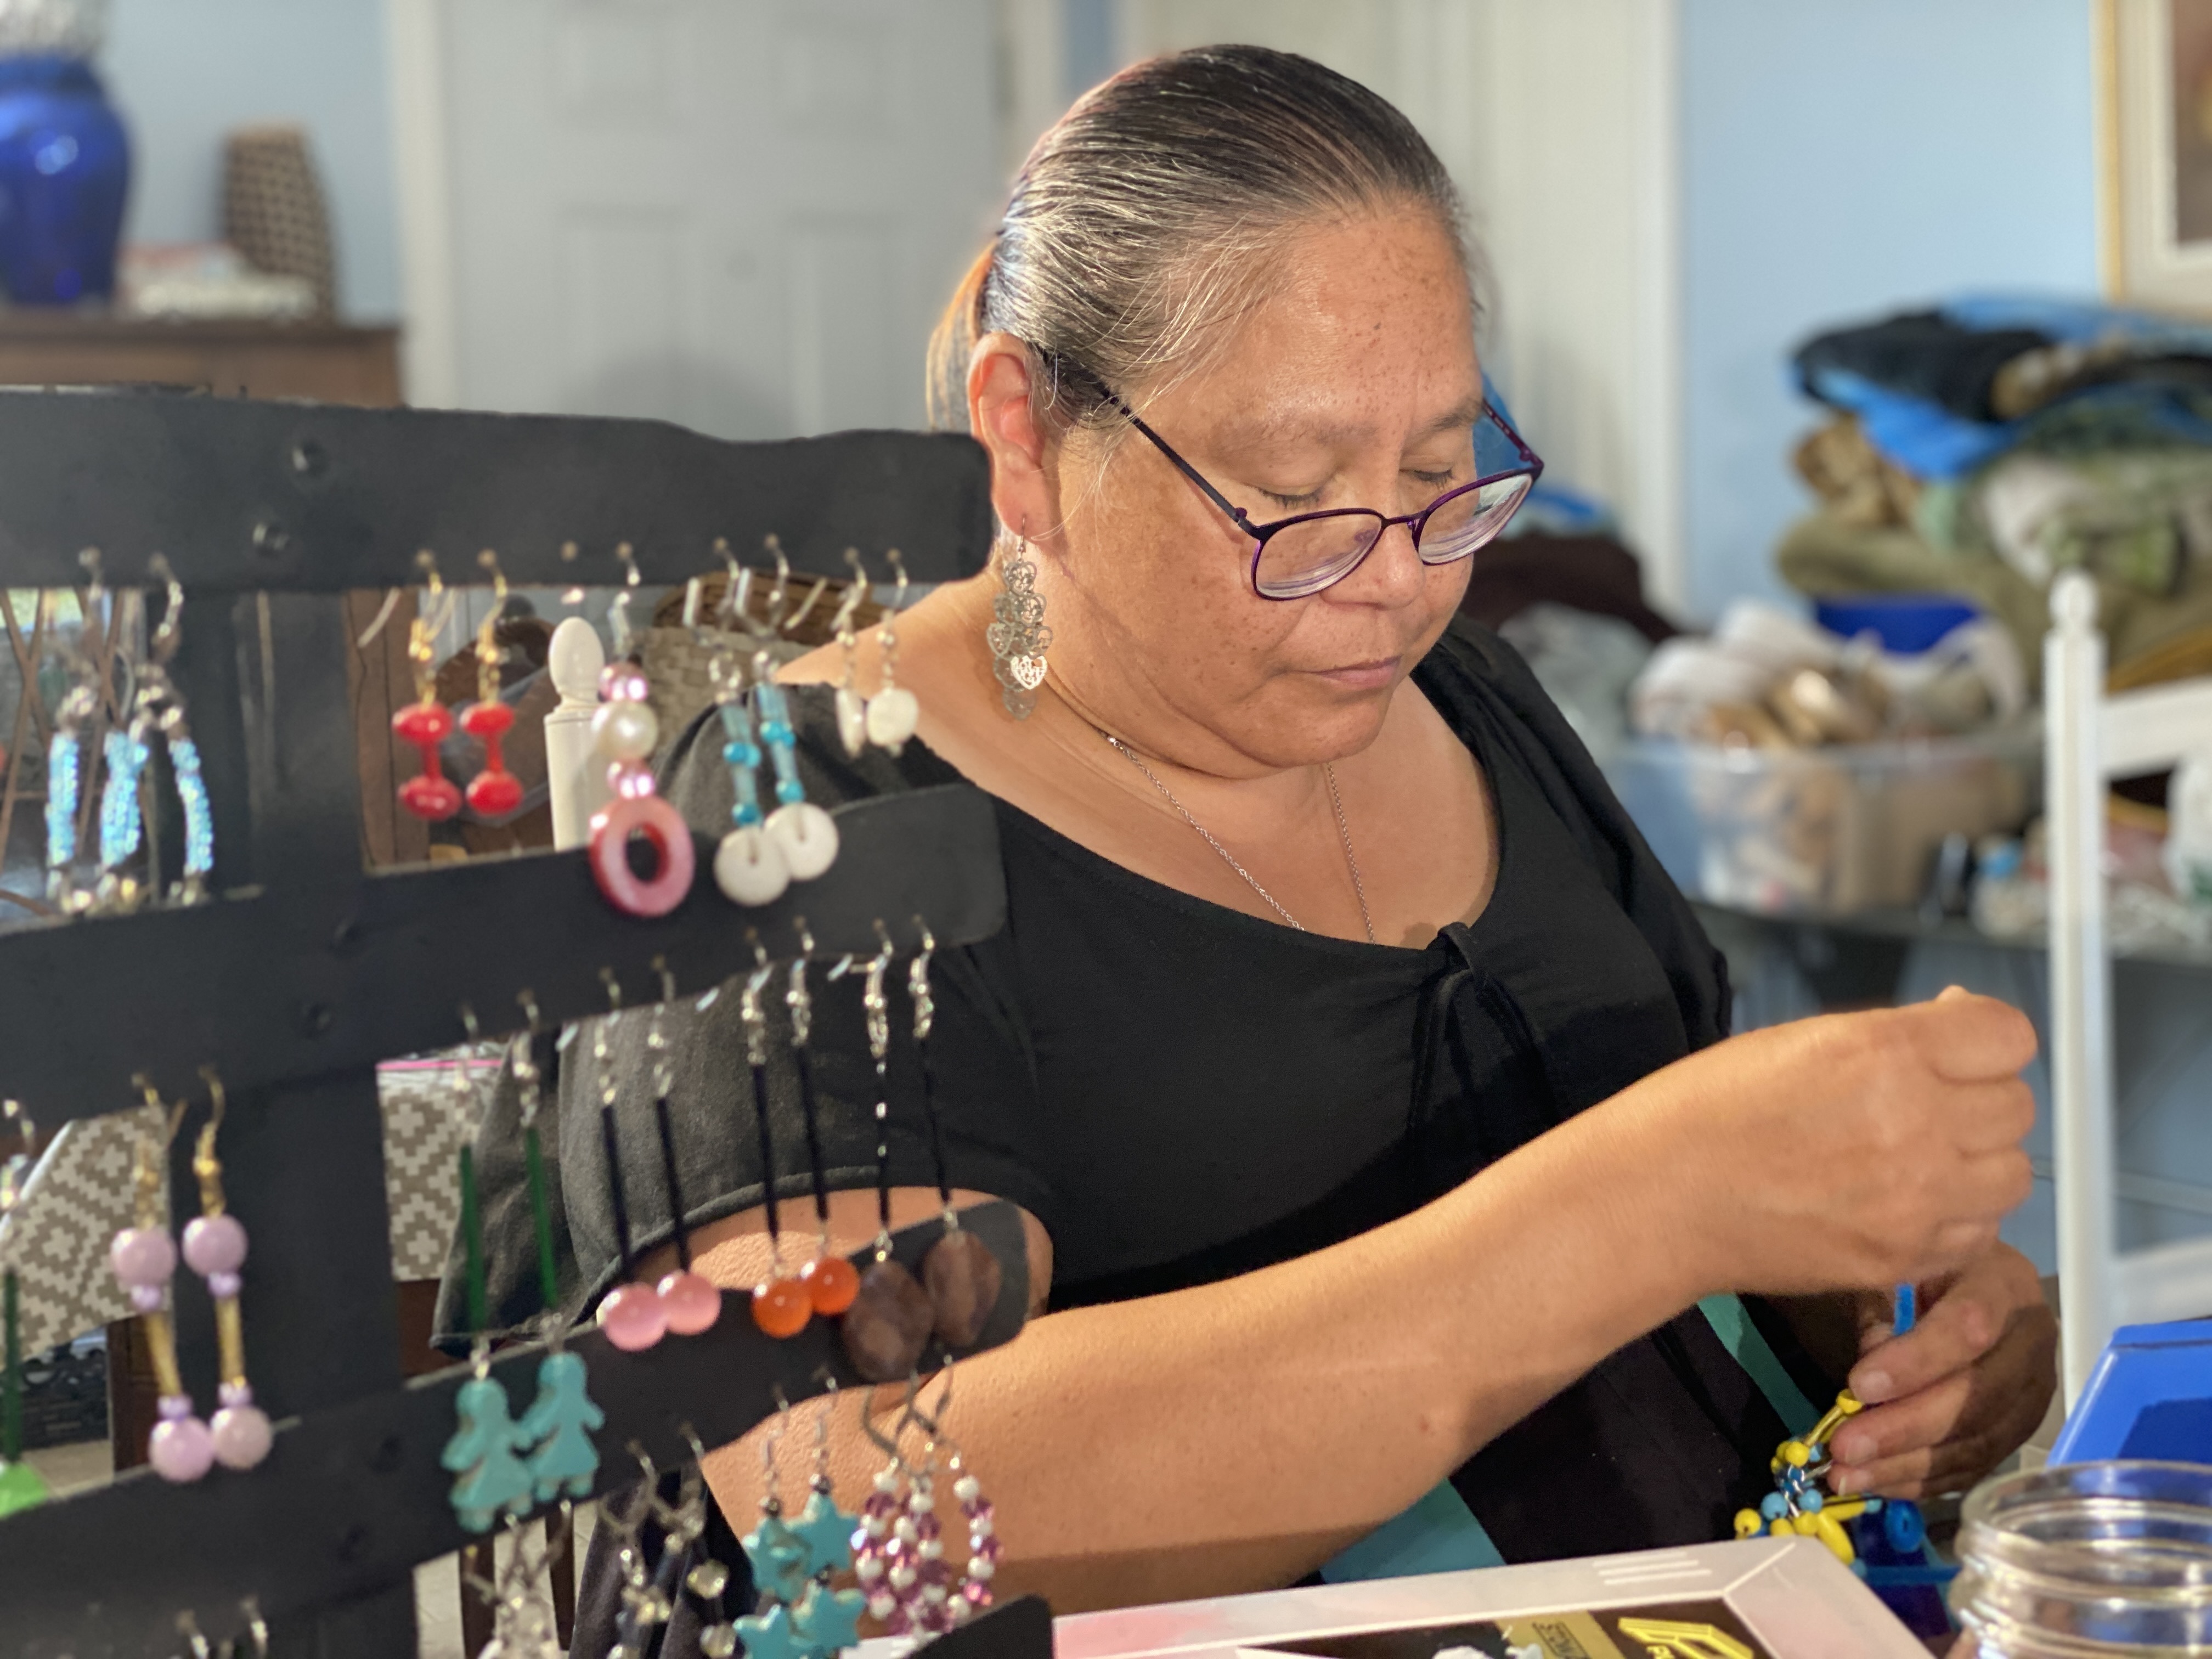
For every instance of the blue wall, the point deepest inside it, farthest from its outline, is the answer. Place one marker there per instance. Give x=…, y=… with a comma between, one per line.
x=1841, y=158
x=185, y=71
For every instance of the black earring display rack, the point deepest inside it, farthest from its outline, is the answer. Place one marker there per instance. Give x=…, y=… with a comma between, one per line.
x=305, y=972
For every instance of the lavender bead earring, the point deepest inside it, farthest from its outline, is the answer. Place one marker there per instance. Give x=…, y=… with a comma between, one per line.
x=215, y=1249
x=145, y=1258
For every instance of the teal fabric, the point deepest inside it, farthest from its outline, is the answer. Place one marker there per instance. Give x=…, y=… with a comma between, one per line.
x=1439, y=1534
x=1732, y=1324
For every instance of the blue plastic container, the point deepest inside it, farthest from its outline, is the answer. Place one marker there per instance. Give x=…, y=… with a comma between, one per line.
x=64, y=173
x=1904, y=623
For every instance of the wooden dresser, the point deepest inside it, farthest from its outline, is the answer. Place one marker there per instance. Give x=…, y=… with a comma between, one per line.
x=328, y=362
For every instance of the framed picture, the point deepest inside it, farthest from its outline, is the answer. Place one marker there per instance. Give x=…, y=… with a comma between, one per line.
x=2154, y=93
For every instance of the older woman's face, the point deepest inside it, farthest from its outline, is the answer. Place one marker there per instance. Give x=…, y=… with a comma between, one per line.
x=1354, y=385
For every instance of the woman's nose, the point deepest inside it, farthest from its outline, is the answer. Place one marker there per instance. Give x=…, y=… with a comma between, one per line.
x=1390, y=575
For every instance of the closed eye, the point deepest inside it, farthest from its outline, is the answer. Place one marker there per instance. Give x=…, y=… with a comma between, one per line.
x=1311, y=498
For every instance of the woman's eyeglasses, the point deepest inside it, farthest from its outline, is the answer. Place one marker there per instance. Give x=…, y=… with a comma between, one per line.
x=1295, y=557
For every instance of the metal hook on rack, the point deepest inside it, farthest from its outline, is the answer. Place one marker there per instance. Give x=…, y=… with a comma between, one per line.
x=618, y=613
x=162, y=647
x=219, y=1103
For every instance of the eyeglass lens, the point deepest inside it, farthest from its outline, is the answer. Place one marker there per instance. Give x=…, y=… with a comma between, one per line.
x=1306, y=556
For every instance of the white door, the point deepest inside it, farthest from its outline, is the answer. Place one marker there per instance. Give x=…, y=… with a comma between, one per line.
x=743, y=215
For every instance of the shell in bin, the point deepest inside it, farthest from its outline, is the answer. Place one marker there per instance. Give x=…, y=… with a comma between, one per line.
x=1824, y=832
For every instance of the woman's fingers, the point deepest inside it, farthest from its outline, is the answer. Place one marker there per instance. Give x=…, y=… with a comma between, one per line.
x=1968, y=1038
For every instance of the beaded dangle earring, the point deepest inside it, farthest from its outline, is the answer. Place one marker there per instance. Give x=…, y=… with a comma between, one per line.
x=748, y=866
x=65, y=750
x=426, y=722
x=560, y=1423
x=883, y=1560
x=804, y=834
x=706, y=1580
x=851, y=707
x=522, y=1622
x=648, y=1594
x=495, y=792
x=625, y=732
x=894, y=711
x=157, y=710
x=782, y=1306
x=631, y=1314
x=891, y=1319
x=485, y=1451
x=144, y=1259
x=688, y=1297
x=21, y=1486
x=960, y=1273
x=945, y=1604
x=215, y=1249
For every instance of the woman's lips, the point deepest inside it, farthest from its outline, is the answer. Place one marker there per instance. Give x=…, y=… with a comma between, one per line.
x=1362, y=676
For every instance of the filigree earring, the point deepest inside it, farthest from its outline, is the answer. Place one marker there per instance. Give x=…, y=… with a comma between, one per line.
x=215, y=1249
x=1019, y=638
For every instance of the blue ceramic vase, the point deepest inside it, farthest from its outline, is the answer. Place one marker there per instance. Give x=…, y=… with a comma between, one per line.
x=65, y=170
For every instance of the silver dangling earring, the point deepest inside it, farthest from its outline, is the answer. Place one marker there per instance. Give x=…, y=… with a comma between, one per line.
x=1019, y=638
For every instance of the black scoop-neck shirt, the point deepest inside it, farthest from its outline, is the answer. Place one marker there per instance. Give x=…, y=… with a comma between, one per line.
x=1182, y=1092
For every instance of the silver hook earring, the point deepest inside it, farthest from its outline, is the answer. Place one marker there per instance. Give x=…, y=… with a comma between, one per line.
x=1019, y=638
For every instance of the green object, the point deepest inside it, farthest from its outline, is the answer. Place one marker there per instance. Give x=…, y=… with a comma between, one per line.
x=21, y=1487
x=483, y=1452
x=559, y=1424
x=1437, y=1532
x=1732, y=1324
x=473, y=1242
x=11, y=1385
x=541, y=1217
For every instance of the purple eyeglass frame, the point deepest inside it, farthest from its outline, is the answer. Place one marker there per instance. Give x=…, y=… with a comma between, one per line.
x=1531, y=467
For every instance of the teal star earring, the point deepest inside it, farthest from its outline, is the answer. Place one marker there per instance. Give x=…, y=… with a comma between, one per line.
x=779, y=1562
x=829, y=1619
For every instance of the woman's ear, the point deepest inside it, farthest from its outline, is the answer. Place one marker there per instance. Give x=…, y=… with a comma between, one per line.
x=1024, y=485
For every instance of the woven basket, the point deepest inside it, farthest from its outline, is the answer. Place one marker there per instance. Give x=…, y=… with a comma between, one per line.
x=273, y=211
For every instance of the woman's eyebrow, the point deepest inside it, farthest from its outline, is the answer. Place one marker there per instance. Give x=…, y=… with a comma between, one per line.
x=1255, y=431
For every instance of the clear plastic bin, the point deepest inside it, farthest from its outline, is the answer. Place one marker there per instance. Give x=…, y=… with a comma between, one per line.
x=1822, y=832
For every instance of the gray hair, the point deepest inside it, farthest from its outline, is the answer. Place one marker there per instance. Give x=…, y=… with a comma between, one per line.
x=1145, y=219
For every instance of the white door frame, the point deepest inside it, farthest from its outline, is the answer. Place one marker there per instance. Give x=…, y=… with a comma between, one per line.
x=415, y=38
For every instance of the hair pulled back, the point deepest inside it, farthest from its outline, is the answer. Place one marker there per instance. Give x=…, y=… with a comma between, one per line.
x=1145, y=218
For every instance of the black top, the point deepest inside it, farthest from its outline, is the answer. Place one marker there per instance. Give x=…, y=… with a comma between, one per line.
x=1181, y=1092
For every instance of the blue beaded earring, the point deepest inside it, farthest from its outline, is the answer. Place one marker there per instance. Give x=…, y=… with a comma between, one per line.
x=804, y=834
x=157, y=708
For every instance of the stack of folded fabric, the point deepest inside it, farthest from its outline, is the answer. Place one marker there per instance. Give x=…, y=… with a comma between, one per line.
x=1981, y=448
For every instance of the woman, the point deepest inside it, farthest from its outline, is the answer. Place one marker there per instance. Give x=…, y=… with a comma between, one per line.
x=1359, y=1073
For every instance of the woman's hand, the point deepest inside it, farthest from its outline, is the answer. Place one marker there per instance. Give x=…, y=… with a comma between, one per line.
x=1836, y=1153
x=1958, y=1393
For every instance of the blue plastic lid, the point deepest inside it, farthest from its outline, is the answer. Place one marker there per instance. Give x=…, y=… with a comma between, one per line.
x=1904, y=623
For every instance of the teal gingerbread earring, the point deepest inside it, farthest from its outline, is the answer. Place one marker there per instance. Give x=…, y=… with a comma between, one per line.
x=559, y=1424
x=485, y=1450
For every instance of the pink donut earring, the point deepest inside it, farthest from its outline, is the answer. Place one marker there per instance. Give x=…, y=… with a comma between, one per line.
x=626, y=732
x=215, y=1249
x=145, y=1258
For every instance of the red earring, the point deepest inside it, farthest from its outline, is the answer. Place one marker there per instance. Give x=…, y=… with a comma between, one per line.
x=426, y=722
x=495, y=792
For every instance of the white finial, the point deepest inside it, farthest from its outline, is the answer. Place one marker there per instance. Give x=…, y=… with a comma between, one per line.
x=2074, y=602
x=576, y=659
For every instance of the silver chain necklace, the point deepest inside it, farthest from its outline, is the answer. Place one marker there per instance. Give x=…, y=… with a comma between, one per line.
x=1343, y=830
